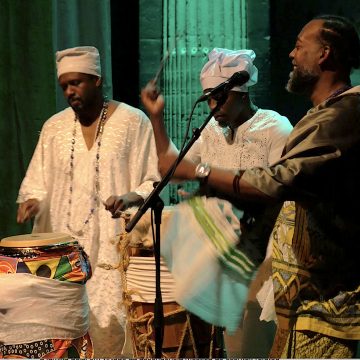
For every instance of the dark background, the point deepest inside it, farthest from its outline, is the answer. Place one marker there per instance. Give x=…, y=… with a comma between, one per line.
x=285, y=20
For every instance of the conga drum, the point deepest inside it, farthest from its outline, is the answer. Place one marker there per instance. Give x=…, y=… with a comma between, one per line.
x=43, y=304
x=184, y=334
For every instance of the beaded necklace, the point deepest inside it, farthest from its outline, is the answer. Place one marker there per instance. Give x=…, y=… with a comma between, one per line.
x=96, y=197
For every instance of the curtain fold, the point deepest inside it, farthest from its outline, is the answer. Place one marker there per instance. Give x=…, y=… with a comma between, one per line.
x=191, y=29
x=80, y=23
x=30, y=33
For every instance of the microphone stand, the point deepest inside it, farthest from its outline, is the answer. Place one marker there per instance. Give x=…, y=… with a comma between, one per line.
x=154, y=202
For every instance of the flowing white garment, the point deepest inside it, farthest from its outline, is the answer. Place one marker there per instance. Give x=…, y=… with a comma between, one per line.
x=128, y=162
x=211, y=274
x=256, y=143
x=34, y=308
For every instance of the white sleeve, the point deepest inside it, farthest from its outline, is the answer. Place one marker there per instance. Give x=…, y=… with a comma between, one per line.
x=143, y=159
x=278, y=137
x=34, y=184
x=194, y=153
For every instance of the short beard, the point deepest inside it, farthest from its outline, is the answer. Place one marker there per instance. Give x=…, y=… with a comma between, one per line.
x=77, y=108
x=302, y=82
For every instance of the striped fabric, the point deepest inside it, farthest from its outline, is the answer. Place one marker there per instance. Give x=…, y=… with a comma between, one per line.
x=229, y=255
x=203, y=251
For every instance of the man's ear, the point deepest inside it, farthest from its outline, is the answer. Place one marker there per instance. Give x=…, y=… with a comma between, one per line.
x=325, y=54
x=98, y=82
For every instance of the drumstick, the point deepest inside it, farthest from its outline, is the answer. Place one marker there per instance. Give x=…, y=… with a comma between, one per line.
x=164, y=60
x=161, y=66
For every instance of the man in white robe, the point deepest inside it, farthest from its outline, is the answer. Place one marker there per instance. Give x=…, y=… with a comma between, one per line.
x=86, y=153
x=239, y=136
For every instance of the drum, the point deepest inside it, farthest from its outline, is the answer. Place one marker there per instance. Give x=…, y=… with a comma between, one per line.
x=46, y=316
x=185, y=335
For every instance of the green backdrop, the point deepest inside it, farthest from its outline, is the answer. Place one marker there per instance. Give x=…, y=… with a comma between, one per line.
x=30, y=33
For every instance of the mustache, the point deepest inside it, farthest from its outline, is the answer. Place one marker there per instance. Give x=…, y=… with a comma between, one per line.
x=73, y=98
x=77, y=106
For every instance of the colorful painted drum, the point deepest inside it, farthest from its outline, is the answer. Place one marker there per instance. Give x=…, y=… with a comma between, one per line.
x=43, y=277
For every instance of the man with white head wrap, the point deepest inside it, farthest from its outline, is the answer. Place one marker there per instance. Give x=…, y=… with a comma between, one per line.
x=223, y=63
x=240, y=136
x=84, y=59
x=251, y=135
x=86, y=153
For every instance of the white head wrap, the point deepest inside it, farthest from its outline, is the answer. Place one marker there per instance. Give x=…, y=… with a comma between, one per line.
x=223, y=63
x=83, y=59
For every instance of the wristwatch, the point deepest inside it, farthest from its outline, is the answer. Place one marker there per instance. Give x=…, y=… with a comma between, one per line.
x=202, y=171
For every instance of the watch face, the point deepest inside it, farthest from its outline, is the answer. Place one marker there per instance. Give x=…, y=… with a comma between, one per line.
x=202, y=170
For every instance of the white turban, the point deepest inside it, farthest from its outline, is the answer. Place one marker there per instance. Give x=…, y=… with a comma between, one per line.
x=223, y=63
x=83, y=59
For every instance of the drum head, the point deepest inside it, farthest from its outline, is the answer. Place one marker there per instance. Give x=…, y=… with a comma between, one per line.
x=36, y=239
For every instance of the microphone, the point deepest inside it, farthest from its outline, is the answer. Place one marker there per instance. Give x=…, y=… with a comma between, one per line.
x=237, y=79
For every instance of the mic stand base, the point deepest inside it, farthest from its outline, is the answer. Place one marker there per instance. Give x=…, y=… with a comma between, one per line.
x=157, y=207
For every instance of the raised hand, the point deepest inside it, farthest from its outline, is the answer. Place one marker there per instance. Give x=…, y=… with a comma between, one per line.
x=153, y=100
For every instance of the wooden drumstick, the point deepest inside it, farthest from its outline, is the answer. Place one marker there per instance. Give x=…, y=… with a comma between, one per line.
x=164, y=60
x=161, y=66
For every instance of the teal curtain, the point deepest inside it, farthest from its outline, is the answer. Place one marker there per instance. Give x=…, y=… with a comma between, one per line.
x=80, y=23
x=30, y=33
x=190, y=30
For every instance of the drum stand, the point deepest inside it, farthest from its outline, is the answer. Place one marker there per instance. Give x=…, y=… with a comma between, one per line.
x=154, y=202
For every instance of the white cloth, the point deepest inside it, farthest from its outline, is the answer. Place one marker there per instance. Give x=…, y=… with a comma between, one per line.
x=140, y=280
x=211, y=275
x=34, y=308
x=257, y=142
x=265, y=297
x=128, y=162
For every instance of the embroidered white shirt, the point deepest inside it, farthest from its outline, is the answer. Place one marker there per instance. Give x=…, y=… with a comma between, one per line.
x=257, y=142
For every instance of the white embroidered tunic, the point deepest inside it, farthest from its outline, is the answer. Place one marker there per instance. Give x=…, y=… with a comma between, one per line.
x=257, y=142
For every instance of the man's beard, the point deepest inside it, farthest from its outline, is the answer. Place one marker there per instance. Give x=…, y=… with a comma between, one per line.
x=76, y=104
x=301, y=81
